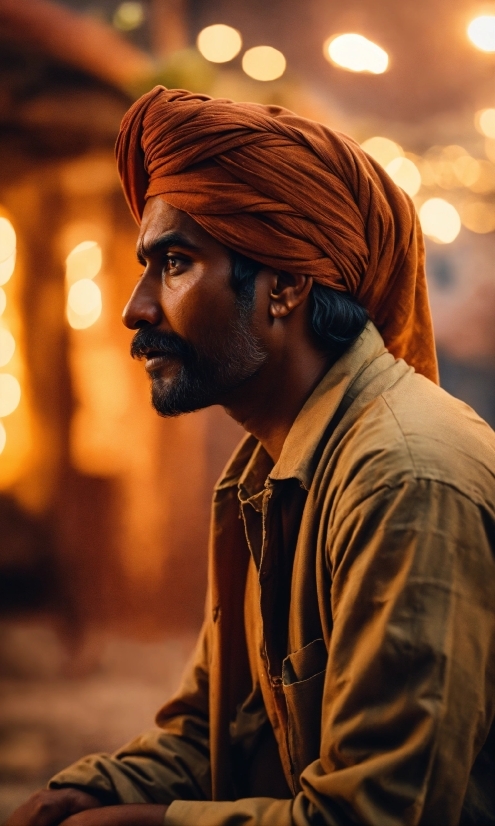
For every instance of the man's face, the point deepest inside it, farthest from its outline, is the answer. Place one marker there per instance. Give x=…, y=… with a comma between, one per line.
x=199, y=343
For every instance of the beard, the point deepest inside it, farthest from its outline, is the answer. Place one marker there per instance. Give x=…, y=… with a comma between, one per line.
x=207, y=372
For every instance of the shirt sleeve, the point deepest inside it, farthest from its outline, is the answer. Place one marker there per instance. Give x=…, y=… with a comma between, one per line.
x=162, y=764
x=404, y=709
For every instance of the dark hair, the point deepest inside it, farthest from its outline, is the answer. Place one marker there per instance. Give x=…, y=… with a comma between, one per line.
x=337, y=318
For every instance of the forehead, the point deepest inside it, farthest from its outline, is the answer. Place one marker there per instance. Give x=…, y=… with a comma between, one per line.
x=160, y=218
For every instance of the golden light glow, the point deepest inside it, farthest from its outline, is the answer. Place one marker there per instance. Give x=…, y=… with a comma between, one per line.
x=3, y=301
x=10, y=394
x=485, y=182
x=382, y=150
x=356, y=54
x=128, y=16
x=466, y=169
x=83, y=304
x=7, y=346
x=440, y=221
x=219, y=43
x=3, y=437
x=7, y=268
x=478, y=216
x=481, y=32
x=490, y=149
x=264, y=63
x=484, y=120
x=7, y=239
x=84, y=261
x=405, y=174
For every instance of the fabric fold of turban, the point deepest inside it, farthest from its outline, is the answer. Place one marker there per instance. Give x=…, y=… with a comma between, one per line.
x=290, y=193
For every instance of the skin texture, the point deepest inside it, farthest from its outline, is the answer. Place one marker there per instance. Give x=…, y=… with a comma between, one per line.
x=187, y=292
x=261, y=369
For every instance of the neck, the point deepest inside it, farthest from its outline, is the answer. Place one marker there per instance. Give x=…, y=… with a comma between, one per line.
x=268, y=403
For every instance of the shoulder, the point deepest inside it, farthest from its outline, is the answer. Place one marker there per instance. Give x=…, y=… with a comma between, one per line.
x=414, y=432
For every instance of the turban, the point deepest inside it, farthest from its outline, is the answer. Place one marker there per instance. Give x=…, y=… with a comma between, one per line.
x=289, y=193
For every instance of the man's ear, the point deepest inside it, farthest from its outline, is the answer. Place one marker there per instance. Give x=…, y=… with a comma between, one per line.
x=288, y=291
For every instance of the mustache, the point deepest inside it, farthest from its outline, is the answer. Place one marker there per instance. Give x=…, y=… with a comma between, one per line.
x=167, y=344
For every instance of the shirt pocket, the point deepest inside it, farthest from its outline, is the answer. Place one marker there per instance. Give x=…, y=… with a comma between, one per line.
x=303, y=677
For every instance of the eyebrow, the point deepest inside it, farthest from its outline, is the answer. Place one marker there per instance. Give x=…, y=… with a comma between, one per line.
x=163, y=242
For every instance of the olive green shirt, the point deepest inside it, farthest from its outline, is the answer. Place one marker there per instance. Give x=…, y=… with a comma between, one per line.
x=345, y=672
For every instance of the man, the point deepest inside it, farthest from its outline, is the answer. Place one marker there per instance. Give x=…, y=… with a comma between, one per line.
x=345, y=672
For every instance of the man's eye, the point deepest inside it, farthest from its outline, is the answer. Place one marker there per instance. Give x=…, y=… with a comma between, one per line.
x=172, y=262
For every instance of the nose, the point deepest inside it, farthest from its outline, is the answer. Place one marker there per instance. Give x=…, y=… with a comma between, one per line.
x=142, y=308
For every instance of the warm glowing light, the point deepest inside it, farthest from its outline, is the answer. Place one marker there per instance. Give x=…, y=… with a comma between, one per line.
x=7, y=346
x=84, y=261
x=7, y=268
x=84, y=297
x=478, y=216
x=382, y=150
x=485, y=182
x=440, y=221
x=83, y=304
x=484, y=120
x=3, y=437
x=3, y=301
x=219, y=43
x=466, y=169
x=7, y=239
x=405, y=174
x=481, y=32
x=264, y=63
x=356, y=54
x=128, y=16
x=10, y=394
x=490, y=149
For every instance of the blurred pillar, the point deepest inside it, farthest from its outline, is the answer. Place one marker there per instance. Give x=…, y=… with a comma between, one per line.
x=168, y=26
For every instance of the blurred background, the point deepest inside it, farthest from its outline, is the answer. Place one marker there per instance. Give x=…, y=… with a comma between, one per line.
x=104, y=506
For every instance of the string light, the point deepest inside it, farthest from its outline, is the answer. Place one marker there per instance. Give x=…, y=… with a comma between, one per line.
x=219, y=43
x=3, y=301
x=382, y=150
x=264, y=63
x=10, y=394
x=7, y=346
x=128, y=16
x=405, y=174
x=84, y=261
x=356, y=54
x=3, y=437
x=440, y=221
x=484, y=120
x=481, y=32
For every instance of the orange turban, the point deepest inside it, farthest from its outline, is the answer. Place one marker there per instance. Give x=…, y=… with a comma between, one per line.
x=290, y=193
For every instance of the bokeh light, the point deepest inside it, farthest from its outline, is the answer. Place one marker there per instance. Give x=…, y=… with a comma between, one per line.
x=7, y=346
x=219, y=43
x=440, y=221
x=382, y=150
x=84, y=297
x=83, y=304
x=264, y=63
x=7, y=239
x=466, y=169
x=84, y=261
x=481, y=32
x=484, y=120
x=3, y=437
x=10, y=394
x=7, y=268
x=405, y=174
x=3, y=301
x=478, y=216
x=128, y=16
x=356, y=54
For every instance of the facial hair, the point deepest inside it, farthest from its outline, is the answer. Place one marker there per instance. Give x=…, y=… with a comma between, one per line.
x=207, y=372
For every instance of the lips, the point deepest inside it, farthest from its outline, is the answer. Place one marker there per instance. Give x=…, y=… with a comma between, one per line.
x=156, y=359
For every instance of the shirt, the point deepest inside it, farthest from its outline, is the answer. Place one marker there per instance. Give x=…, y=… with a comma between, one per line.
x=375, y=661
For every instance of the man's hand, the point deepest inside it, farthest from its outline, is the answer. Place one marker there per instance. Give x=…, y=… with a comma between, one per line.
x=49, y=807
x=130, y=814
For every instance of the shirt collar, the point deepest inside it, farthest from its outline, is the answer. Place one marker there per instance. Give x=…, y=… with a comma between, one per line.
x=299, y=455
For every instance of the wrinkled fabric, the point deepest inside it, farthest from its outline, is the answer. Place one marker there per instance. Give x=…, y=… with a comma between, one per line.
x=382, y=700
x=290, y=193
